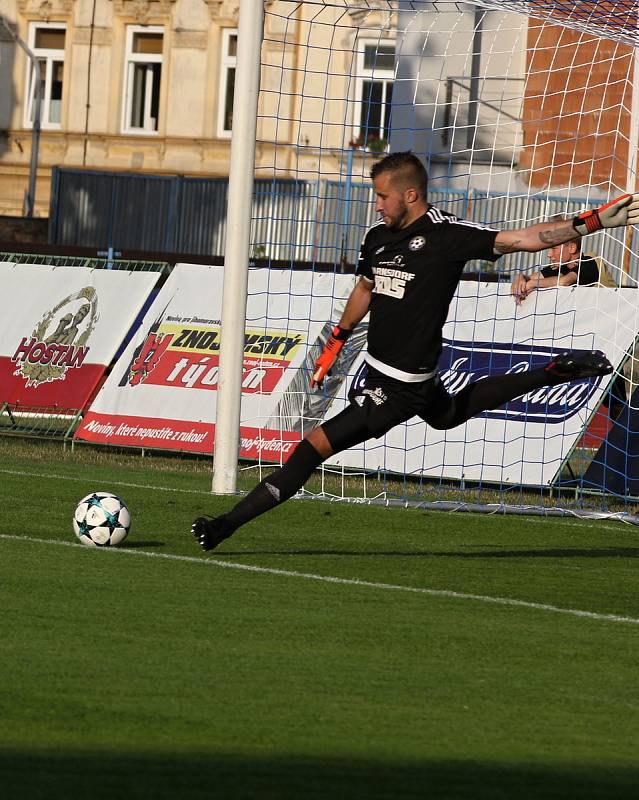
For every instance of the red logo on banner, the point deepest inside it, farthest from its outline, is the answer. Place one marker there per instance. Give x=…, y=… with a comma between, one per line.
x=149, y=356
x=189, y=358
x=59, y=340
x=194, y=371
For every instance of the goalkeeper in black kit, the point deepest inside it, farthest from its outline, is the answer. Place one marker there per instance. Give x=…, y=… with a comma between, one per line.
x=409, y=266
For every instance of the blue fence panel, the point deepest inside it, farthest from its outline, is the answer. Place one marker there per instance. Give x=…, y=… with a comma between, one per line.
x=201, y=217
x=79, y=201
x=143, y=213
x=292, y=220
x=119, y=210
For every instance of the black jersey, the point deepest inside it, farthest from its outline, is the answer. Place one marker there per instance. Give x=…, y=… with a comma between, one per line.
x=587, y=271
x=415, y=271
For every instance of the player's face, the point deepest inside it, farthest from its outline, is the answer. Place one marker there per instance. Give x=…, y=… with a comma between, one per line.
x=390, y=202
x=562, y=254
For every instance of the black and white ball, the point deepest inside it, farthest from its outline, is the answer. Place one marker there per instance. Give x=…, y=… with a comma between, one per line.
x=101, y=519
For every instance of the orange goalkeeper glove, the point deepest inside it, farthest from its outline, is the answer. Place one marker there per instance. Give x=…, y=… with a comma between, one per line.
x=329, y=354
x=624, y=210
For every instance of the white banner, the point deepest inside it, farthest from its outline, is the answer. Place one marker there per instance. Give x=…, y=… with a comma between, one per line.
x=60, y=328
x=163, y=390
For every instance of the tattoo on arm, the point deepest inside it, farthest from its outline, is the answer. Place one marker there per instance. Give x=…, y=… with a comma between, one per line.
x=558, y=235
x=503, y=248
x=535, y=238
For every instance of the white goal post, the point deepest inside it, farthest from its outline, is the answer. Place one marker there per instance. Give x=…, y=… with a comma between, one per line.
x=238, y=226
x=521, y=110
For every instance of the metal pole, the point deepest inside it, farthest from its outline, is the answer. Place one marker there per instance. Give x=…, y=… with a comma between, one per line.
x=35, y=136
x=37, y=109
x=236, y=254
x=347, y=207
x=633, y=138
x=631, y=167
x=473, y=99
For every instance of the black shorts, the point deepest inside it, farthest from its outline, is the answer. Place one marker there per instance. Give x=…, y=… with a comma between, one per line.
x=378, y=403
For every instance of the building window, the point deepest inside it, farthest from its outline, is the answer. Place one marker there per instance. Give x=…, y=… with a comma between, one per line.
x=374, y=93
x=227, y=82
x=46, y=41
x=142, y=76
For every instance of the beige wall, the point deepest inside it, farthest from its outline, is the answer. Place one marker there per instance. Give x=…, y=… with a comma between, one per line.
x=186, y=140
x=307, y=103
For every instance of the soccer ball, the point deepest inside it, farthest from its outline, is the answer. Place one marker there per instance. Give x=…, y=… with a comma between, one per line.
x=101, y=519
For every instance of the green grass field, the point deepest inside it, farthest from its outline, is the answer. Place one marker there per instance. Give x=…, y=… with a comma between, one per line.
x=327, y=650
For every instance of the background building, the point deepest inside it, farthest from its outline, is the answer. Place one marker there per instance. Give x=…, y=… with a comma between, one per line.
x=516, y=117
x=147, y=85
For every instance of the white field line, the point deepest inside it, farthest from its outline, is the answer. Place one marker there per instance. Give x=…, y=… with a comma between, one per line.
x=310, y=576
x=571, y=523
x=49, y=476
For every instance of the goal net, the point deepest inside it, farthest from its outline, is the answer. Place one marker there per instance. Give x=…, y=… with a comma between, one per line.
x=521, y=111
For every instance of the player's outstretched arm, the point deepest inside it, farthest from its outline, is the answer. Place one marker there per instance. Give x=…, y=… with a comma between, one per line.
x=355, y=310
x=624, y=210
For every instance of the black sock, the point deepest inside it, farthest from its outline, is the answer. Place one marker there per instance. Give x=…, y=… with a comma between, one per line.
x=275, y=488
x=493, y=392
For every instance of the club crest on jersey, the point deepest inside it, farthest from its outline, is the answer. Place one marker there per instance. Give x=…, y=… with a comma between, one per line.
x=416, y=243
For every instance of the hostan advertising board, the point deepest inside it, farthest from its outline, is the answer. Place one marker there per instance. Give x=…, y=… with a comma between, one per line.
x=60, y=328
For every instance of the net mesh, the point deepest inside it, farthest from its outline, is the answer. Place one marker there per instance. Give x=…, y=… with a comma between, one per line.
x=521, y=111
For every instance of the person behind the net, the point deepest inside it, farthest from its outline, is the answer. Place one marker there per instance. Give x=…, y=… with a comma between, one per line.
x=567, y=266
x=409, y=266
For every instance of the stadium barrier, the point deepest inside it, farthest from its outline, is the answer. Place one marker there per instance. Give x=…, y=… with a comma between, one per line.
x=293, y=222
x=61, y=328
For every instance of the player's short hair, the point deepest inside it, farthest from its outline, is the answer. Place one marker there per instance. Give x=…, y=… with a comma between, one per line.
x=408, y=171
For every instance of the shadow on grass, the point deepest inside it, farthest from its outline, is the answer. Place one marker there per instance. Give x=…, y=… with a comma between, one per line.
x=31, y=776
x=559, y=552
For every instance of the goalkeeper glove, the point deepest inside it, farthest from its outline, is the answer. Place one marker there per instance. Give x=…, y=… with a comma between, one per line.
x=329, y=354
x=623, y=210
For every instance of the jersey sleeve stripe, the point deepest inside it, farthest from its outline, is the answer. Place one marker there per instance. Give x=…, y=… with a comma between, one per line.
x=476, y=225
x=436, y=216
x=374, y=225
